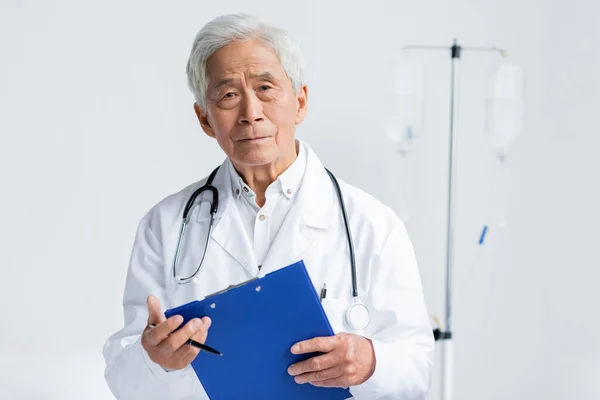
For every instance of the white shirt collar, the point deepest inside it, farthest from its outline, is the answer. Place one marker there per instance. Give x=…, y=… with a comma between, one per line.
x=287, y=182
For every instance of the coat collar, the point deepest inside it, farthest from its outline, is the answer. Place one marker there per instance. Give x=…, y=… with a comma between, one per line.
x=317, y=195
x=228, y=229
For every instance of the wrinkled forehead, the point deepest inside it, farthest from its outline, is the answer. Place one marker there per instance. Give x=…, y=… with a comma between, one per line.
x=248, y=59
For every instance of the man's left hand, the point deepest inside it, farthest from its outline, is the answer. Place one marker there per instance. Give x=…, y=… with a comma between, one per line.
x=349, y=360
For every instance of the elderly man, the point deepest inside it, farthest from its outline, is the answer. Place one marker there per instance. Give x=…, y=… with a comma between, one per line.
x=277, y=205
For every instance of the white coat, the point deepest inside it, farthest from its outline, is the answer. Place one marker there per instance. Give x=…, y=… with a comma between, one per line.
x=313, y=231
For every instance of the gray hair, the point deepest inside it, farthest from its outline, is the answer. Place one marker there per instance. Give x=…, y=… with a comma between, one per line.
x=226, y=29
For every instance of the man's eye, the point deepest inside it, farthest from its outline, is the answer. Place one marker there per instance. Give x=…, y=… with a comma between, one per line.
x=264, y=88
x=229, y=95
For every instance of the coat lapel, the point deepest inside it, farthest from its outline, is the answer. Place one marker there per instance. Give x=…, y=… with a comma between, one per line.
x=228, y=232
x=309, y=217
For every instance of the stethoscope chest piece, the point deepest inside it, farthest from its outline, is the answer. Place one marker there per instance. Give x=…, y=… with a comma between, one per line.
x=357, y=315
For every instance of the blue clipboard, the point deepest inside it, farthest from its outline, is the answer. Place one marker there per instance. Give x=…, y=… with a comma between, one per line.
x=254, y=325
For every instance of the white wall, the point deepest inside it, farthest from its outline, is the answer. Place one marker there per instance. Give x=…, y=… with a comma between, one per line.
x=96, y=125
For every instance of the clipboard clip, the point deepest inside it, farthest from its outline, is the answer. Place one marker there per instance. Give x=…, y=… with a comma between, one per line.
x=232, y=287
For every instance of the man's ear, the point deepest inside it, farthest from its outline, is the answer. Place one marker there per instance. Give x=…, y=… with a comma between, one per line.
x=203, y=119
x=302, y=102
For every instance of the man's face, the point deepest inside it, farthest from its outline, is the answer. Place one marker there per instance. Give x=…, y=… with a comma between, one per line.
x=251, y=108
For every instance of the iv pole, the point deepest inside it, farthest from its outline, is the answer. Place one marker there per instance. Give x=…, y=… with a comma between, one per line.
x=446, y=334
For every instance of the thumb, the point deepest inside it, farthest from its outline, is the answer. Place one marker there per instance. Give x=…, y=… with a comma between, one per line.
x=155, y=314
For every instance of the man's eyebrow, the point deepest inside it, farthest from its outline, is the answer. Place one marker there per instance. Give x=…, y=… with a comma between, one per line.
x=265, y=76
x=221, y=83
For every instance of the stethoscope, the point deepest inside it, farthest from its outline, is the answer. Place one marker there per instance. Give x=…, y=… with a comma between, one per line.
x=357, y=315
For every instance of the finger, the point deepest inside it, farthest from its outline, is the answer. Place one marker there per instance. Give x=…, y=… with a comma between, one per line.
x=317, y=363
x=185, y=355
x=339, y=382
x=320, y=376
x=155, y=336
x=155, y=314
x=318, y=344
x=201, y=335
x=191, y=356
x=177, y=339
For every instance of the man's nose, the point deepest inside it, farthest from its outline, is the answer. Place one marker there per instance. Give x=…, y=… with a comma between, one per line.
x=251, y=110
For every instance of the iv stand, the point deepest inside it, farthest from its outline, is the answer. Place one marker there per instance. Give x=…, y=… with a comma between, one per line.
x=446, y=335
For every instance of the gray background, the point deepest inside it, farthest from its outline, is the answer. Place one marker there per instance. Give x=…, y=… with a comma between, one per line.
x=96, y=126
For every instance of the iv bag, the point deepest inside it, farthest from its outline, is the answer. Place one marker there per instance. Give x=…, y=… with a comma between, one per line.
x=405, y=104
x=504, y=123
x=504, y=107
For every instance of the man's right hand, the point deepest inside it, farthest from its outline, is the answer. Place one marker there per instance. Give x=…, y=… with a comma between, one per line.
x=169, y=349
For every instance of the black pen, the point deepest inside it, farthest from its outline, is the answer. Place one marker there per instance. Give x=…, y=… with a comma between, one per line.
x=198, y=345
x=323, y=292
